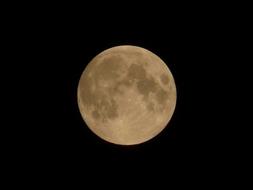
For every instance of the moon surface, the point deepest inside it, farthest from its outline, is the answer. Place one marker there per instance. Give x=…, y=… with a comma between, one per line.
x=126, y=95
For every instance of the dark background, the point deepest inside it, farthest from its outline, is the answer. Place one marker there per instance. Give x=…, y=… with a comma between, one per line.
x=54, y=46
x=72, y=45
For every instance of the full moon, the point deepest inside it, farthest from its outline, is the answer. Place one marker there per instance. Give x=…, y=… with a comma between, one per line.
x=126, y=95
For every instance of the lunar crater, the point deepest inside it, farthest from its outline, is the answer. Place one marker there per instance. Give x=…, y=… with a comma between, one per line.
x=165, y=79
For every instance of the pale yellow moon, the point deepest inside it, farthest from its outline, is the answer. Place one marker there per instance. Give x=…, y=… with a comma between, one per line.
x=126, y=95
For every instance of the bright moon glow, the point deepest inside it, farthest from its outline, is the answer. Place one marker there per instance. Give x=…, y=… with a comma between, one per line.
x=126, y=95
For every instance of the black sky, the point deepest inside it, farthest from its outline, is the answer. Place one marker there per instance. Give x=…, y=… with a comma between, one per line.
x=72, y=45
x=57, y=45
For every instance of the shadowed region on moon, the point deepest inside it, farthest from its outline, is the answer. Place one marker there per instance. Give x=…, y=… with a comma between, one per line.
x=118, y=94
x=165, y=79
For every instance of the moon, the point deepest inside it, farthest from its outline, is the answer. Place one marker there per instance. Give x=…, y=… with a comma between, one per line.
x=126, y=95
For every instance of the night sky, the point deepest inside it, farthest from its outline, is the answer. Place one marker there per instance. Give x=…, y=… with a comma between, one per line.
x=57, y=46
